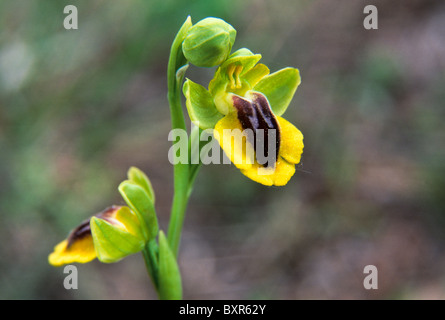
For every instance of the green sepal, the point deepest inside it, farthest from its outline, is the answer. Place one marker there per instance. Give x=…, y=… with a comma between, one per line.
x=113, y=242
x=170, y=287
x=242, y=57
x=200, y=106
x=140, y=178
x=140, y=202
x=279, y=88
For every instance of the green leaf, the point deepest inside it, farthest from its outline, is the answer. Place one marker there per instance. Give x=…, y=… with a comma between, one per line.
x=170, y=287
x=140, y=178
x=200, y=106
x=180, y=74
x=279, y=88
x=180, y=60
x=142, y=205
x=111, y=242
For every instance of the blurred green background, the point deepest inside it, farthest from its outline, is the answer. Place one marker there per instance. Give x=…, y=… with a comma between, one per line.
x=79, y=107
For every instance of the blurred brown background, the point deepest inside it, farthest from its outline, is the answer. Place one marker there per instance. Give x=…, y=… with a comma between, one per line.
x=78, y=108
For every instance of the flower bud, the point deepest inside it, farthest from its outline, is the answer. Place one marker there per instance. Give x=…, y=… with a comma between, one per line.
x=208, y=43
x=116, y=234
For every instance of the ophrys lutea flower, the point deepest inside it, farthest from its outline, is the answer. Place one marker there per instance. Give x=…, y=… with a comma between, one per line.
x=244, y=97
x=110, y=235
x=119, y=231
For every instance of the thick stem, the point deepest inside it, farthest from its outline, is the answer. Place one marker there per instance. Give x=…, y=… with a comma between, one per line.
x=179, y=205
x=181, y=178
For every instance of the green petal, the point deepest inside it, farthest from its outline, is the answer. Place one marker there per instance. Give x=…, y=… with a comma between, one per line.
x=243, y=57
x=240, y=53
x=279, y=88
x=170, y=287
x=200, y=106
x=113, y=243
x=254, y=75
x=125, y=216
x=140, y=178
x=231, y=75
x=141, y=204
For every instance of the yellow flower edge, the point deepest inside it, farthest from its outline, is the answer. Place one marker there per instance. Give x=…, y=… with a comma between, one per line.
x=81, y=251
x=291, y=148
x=109, y=236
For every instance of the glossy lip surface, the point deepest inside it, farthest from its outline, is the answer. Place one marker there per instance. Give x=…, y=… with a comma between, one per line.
x=257, y=115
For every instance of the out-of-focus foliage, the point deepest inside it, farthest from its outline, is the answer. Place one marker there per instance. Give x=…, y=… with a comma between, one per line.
x=79, y=107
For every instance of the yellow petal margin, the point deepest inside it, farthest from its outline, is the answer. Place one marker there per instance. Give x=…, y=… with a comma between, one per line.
x=81, y=250
x=291, y=143
x=291, y=148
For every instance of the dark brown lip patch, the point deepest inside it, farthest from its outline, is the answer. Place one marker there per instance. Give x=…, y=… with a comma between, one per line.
x=257, y=115
x=84, y=228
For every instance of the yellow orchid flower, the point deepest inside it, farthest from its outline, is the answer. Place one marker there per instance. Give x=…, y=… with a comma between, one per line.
x=244, y=98
x=110, y=235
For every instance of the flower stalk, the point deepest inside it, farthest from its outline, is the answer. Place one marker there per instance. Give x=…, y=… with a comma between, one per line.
x=177, y=65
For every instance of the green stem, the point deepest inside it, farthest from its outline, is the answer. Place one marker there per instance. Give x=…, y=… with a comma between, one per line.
x=180, y=171
x=150, y=254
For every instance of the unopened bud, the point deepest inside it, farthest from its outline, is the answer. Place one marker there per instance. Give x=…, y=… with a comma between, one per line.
x=208, y=43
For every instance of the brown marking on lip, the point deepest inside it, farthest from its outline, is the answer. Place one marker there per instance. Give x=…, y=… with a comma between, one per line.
x=84, y=229
x=257, y=114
